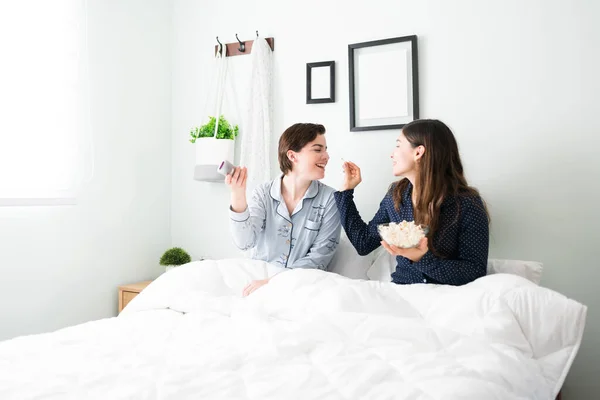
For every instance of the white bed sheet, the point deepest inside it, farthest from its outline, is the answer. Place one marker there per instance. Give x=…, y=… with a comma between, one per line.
x=308, y=334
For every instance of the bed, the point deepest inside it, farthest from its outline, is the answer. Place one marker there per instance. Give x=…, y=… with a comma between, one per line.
x=308, y=334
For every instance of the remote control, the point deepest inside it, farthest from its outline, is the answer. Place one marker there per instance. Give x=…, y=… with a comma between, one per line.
x=225, y=168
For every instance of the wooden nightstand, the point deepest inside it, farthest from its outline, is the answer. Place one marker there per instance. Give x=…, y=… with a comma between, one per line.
x=128, y=292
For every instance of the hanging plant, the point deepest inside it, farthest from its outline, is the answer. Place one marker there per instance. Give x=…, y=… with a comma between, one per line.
x=224, y=131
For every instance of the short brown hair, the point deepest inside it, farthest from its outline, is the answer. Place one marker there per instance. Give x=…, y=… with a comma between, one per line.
x=295, y=138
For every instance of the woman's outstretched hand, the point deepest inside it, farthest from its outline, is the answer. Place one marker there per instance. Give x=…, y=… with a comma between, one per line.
x=352, y=176
x=237, y=179
x=237, y=183
x=254, y=285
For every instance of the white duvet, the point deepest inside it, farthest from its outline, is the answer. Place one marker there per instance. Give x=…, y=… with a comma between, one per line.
x=308, y=334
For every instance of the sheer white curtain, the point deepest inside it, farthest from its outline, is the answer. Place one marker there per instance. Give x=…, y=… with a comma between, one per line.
x=45, y=136
x=256, y=132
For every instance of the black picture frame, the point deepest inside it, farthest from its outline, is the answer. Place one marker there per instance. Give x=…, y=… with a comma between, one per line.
x=406, y=48
x=309, y=82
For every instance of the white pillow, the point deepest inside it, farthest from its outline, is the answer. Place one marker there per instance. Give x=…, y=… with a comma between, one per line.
x=531, y=270
x=347, y=262
x=384, y=264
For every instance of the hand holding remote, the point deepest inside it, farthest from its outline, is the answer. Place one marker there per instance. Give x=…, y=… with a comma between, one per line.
x=236, y=181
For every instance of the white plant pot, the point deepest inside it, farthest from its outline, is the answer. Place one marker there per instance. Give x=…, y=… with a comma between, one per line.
x=169, y=267
x=211, y=151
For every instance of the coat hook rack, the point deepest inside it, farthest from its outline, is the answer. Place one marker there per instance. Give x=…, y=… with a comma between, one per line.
x=240, y=48
x=242, y=44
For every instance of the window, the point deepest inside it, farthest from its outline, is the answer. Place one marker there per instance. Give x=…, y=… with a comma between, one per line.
x=45, y=139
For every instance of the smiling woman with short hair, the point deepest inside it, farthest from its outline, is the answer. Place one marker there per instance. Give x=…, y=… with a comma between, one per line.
x=292, y=221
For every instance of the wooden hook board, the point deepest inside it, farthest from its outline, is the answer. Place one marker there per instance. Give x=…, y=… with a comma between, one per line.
x=233, y=48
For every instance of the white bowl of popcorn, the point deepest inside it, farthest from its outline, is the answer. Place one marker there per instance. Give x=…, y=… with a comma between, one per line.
x=404, y=234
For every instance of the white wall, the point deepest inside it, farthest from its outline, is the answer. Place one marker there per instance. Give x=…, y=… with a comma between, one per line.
x=516, y=80
x=61, y=265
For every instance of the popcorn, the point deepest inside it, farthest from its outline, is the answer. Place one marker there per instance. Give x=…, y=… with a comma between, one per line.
x=404, y=235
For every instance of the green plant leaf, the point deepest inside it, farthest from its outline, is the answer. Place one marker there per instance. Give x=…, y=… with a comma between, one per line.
x=175, y=256
x=224, y=130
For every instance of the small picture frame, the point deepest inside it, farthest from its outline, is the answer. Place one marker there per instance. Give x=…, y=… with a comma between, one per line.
x=384, y=83
x=320, y=82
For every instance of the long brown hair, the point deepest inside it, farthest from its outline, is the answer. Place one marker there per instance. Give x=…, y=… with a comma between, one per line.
x=439, y=174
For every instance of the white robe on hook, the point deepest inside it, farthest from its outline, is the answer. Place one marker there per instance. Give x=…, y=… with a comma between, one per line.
x=255, y=151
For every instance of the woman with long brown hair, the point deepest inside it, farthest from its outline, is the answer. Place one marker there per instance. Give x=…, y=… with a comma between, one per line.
x=434, y=193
